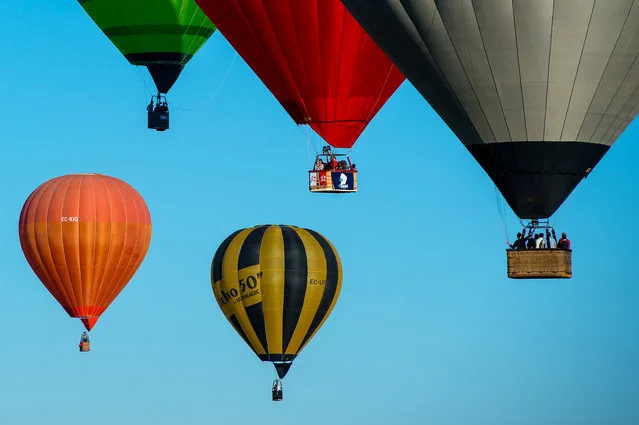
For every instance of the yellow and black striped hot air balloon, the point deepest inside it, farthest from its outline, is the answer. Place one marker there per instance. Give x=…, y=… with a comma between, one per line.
x=276, y=285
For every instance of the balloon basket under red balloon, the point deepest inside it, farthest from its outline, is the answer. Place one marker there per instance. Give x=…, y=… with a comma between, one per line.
x=85, y=347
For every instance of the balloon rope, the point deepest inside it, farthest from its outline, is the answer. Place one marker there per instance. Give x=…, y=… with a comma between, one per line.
x=554, y=221
x=308, y=146
x=146, y=87
x=190, y=50
x=308, y=135
x=379, y=96
x=228, y=71
x=500, y=210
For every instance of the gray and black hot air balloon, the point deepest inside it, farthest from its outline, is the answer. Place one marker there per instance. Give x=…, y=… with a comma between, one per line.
x=537, y=90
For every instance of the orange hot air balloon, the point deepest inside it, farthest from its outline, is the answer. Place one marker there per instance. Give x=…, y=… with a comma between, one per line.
x=85, y=236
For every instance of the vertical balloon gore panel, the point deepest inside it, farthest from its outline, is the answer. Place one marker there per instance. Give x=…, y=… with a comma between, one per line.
x=249, y=299
x=315, y=285
x=332, y=287
x=272, y=266
x=231, y=291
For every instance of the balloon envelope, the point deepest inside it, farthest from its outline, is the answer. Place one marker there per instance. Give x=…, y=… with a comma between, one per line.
x=314, y=58
x=85, y=236
x=276, y=285
x=162, y=35
x=537, y=91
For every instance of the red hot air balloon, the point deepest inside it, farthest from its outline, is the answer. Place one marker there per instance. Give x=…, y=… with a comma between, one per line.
x=315, y=59
x=85, y=236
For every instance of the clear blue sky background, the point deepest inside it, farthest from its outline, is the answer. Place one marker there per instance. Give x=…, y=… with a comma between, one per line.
x=428, y=329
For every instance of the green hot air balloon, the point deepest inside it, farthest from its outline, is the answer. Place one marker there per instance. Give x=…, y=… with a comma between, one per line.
x=162, y=35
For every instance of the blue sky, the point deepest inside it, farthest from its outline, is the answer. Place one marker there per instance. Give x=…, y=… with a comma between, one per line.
x=428, y=328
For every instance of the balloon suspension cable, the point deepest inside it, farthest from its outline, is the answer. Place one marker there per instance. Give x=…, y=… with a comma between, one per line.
x=190, y=50
x=217, y=90
x=147, y=90
x=554, y=219
x=308, y=147
x=501, y=209
x=159, y=98
x=379, y=96
x=309, y=140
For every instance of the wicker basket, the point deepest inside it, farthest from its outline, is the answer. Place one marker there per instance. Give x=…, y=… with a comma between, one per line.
x=539, y=264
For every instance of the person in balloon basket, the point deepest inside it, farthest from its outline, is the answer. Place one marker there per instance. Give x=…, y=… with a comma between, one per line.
x=522, y=241
x=529, y=241
x=333, y=162
x=83, y=339
x=551, y=240
x=277, y=390
x=537, y=241
x=564, y=242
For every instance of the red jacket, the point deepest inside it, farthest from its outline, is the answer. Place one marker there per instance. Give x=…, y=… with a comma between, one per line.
x=562, y=241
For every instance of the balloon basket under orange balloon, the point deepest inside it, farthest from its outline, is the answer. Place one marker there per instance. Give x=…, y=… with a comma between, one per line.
x=85, y=347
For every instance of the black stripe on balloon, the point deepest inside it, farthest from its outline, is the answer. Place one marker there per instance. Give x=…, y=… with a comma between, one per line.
x=250, y=256
x=134, y=30
x=250, y=250
x=295, y=277
x=216, y=264
x=238, y=328
x=537, y=177
x=332, y=276
x=277, y=357
x=151, y=58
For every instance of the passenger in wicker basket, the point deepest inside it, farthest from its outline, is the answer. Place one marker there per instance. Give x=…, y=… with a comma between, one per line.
x=564, y=242
x=551, y=240
x=520, y=243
